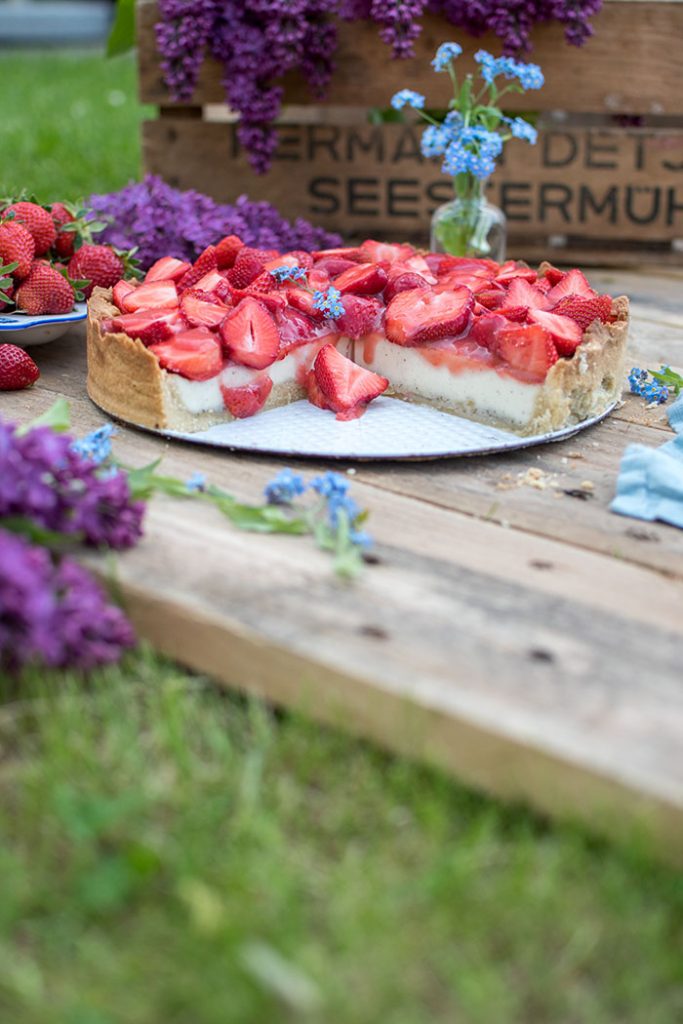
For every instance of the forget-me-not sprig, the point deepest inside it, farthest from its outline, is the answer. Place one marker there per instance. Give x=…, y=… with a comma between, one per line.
x=407, y=98
x=435, y=139
x=528, y=75
x=487, y=142
x=651, y=390
x=521, y=129
x=329, y=302
x=444, y=55
x=286, y=273
x=284, y=488
x=95, y=446
x=330, y=483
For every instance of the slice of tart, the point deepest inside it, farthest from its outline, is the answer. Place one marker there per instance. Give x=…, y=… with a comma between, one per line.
x=233, y=335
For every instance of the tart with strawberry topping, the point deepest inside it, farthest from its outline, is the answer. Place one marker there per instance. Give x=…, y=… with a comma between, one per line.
x=243, y=330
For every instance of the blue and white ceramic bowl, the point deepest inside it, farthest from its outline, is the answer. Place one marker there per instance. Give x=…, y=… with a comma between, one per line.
x=23, y=329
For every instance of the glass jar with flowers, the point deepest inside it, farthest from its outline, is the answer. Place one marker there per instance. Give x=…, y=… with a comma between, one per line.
x=470, y=138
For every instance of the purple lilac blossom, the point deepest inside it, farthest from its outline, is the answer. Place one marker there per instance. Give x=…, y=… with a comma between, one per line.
x=164, y=221
x=44, y=480
x=513, y=20
x=52, y=612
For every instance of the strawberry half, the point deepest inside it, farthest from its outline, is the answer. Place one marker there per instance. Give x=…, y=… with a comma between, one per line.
x=346, y=387
x=360, y=316
x=385, y=252
x=205, y=262
x=516, y=313
x=585, y=311
x=194, y=354
x=302, y=300
x=168, y=268
x=353, y=254
x=403, y=283
x=247, y=400
x=151, y=295
x=422, y=315
x=572, y=283
x=511, y=269
x=250, y=335
x=227, y=250
x=335, y=265
x=150, y=328
x=365, y=279
x=199, y=309
x=119, y=292
x=245, y=270
x=485, y=329
x=17, y=369
x=527, y=347
x=565, y=332
x=522, y=293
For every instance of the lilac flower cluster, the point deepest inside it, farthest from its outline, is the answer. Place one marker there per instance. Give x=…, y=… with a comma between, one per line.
x=651, y=390
x=53, y=612
x=258, y=42
x=163, y=221
x=513, y=20
x=44, y=480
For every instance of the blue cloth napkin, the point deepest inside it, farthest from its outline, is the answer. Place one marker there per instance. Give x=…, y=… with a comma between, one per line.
x=650, y=482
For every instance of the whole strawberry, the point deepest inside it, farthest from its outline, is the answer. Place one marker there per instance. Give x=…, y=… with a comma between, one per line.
x=98, y=264
x=16, y=246
x=45, y=290
x=17, y=369
x=65, y=242
x=37, y=220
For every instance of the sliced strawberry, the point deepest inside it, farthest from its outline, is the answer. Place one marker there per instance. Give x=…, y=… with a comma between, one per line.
x=516, y=313
x=365, y=279
x=572, y=283
x=227, y=250
x=167, y=269
x=346, y=386
x=333, y=266
x=273, y=300
x=492, y=297
x=302, y=300
x=205, y=262
x=511, y=269
x=485, y=329
x=199, y=309
x=385, y=252
x=296, y=258
x=210, y=282
x=150, y=328
x=552, y=275
x=245, y=270
x=403, y=283
x=318, y=280
x=194, y=354
x=119, y=292
x=250, y=334
x=522, y=293
x=247, y=400
x=421, y=315
x=565, y=332
x=151, y=295
x=295, y=329
x=585, y=311
x=417, y=264
x=360, y=317
x=314, y=392
x=354, y=254
x=262, y=255
x=527, y=348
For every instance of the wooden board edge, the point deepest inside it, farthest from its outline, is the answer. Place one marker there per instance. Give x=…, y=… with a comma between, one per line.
x=492, y=762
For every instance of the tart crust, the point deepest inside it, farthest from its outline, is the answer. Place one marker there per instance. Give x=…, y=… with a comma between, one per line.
x=126, y=380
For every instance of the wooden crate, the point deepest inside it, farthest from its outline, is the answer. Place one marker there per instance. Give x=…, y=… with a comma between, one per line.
x=604, y=184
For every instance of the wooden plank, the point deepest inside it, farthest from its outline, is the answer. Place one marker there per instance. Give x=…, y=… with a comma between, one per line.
x=545, y=682
x=631, y=65
x=608, y=185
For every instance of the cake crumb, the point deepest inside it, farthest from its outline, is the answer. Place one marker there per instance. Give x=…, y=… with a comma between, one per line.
x=534, y=477
x=575, y=455
x=587, y=485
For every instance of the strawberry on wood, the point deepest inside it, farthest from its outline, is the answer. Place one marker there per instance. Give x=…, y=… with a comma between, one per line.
x=17, y=369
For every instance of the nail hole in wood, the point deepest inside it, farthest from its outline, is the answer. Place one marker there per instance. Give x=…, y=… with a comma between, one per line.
x=539, y=563
x=370, y=558
x=577, y=492
x=540, y=654
x=639, y=534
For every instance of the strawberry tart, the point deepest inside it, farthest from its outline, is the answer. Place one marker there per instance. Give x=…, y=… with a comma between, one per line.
x=244, y=330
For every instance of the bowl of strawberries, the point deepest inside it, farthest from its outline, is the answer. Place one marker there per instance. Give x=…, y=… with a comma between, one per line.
x=49, y=265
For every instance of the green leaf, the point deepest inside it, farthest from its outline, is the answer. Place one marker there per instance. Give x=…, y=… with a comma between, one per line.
x=57, y=417
x=37, y=534
x=122, y=35
x=259, y=518
x=665, y=375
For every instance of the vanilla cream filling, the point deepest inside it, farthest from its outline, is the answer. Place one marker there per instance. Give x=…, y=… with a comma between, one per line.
x=409, y=373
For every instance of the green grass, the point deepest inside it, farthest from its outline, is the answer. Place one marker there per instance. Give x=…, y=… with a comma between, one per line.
x=170, y=854
x=70, y=126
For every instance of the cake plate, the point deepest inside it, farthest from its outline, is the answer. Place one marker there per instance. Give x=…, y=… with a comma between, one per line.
x=389, y=429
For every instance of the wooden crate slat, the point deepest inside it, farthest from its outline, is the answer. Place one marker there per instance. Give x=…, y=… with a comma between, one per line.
x=631, y=65
x=592, y=184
